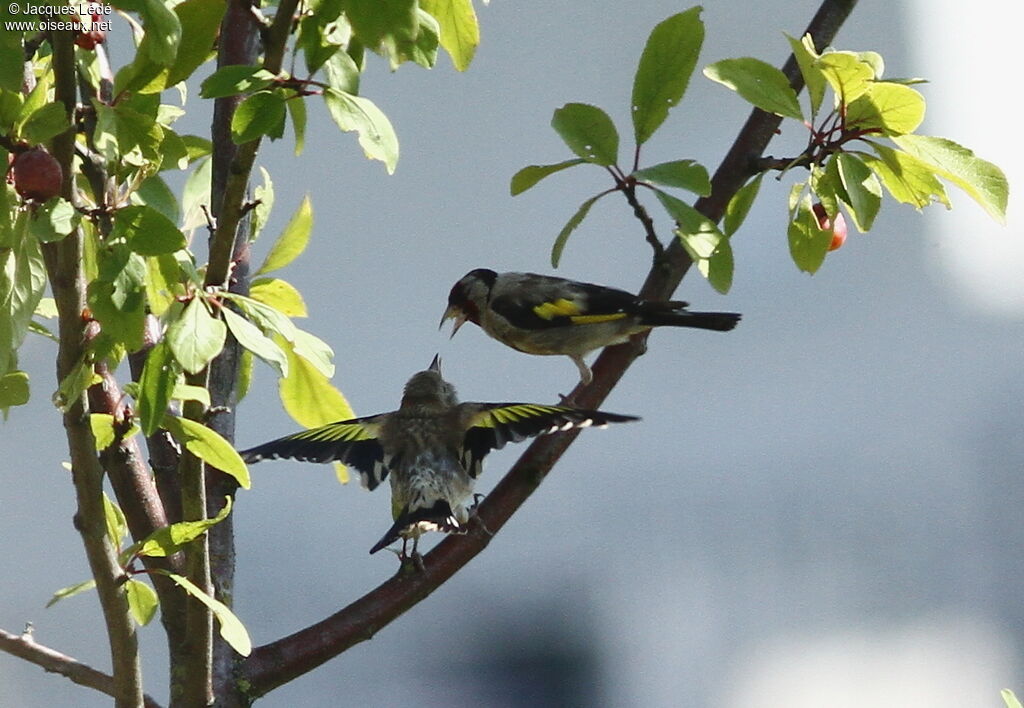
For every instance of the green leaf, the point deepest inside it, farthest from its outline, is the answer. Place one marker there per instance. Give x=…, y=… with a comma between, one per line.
x=808, y=243
x=235, y=79
x=155, y=386
x=208, y=446
x=142, y=601
x=266, y=317
x=280, y=295
x=163, y=276
x=74, y=384
x=1010, y=699
x=250, y=337
x=708, y=247
x=307, y=394
x=260, y=114
x=54, y=220
x=983, y=181
x=163, y=32
x=532, y=174
x=863, y=192
x=685, y=174
x=14, y=389
x=739, y=206
x=155, y=193
x=71, y=590
x=168, y=540
x=342, y=73
x=231, y=629
x=380, y=22
x=297, y=110
x=460, y=33
x=103, y=434
x=292, y=241
x=664, y=70
x=376, y=135
x=147, y=231
x=315, y=351
x=263, y=199
x=759, y=83
x=187, y=392
x=588, y=131
x=117, y=527
x=22, y=283
x=49, y=121
x=847, y=73
x=196, y=337
x=908, y=179
x=195, y=195
x=806, y=59
x=423, y=49
x=889, y=109
x=124, y=135
x=570, y=226
x=38, y=97
x=200, y=24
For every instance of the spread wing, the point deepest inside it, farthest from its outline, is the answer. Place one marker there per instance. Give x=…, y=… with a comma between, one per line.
x=350, y=442
x=493, y=425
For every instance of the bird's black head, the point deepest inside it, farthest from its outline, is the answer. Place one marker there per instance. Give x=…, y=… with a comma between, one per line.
x=470, y=292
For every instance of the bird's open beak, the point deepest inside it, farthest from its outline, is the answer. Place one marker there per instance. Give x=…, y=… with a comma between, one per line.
x=453, y=313
x=435, y=365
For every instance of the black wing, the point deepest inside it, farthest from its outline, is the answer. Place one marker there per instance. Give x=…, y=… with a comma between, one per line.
x=350, y=442
x=496, y=424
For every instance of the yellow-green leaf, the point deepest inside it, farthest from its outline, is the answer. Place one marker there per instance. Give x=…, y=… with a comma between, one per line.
x=196, y=337
x=806, y=59
x=460, y=33
x=279, y=294
x=308, y=395
x=886, y=108
x=142, y=601
x=231, y=628
x=71, y=590
x=847, y=73
x=983, y=181
x=758, y=82
x=292, y=241
x=209, y=446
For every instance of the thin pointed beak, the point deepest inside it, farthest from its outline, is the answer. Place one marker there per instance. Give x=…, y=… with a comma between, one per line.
x=453, y=313
x=435, y=365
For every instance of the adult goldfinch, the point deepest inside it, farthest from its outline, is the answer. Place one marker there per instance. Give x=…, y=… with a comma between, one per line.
x=541, y=314
x=433, y=448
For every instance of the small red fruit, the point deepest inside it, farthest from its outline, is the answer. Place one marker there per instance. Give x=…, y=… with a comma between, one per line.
x=36, y=175
x=88, y=39
x=838, y=228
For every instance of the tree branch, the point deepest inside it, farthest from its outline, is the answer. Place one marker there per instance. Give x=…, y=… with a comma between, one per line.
x=274, y=664
x=64, y=269
x=51, y=660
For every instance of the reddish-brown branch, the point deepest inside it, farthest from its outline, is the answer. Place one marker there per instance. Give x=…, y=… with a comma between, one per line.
x=274, y=664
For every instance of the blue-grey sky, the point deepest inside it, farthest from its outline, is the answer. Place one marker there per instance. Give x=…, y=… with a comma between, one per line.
x=819, y=508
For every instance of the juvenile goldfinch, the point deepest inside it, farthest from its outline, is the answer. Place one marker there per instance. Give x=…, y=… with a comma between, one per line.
x=432, y=446
x=541, y=314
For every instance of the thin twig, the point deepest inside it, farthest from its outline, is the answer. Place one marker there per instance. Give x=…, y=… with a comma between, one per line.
x=25, y=647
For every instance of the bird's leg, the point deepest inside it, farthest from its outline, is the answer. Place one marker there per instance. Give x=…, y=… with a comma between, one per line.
x=417, y=559
x=474, y=515
x=586, y=375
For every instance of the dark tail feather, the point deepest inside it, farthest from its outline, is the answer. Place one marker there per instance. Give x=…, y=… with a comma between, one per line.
x=439, y=517
x=719, y=321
